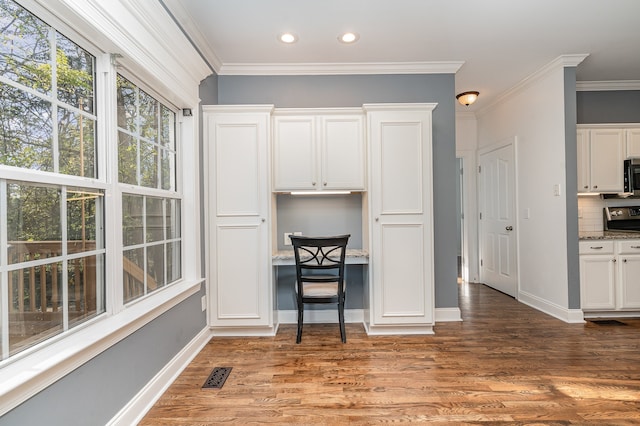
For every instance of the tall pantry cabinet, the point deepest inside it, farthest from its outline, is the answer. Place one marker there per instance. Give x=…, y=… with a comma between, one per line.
x=241, y=292
x=401, y=219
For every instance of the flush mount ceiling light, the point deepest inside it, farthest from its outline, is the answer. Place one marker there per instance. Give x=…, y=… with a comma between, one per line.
x=467, y=98
x=348, y=38
x=288, y=38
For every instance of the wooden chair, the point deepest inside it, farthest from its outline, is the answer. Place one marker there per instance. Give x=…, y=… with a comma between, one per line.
x=320, y=274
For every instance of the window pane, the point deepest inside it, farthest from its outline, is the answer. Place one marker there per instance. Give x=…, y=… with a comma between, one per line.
x=148, y=117
x=168, y=170
x=148, y=165
x=127, y=116
x=173, y=219
x=35, y=310
x=168, y=120
x=84, y=213
x=132, y=220
x=133, y=274
x=155, y=267
x=76, y=136
x=74, y=69
x=174, y=272
x=24, y=48
x=33, y=222
x=154, y=216
x=85, y=278
x=26, y=130
x=127, y=159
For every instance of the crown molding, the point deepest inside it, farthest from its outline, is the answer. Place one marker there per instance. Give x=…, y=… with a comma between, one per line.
x=599, y=86
x=560, y=62
x=341, y=68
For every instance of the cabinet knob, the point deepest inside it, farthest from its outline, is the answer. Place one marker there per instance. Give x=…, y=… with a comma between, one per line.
x=509, y=228
x=377, y=219
x=614, y=260
x=313, y=183
x=325, y=184
x=595, y=186
x=635, y=247
x=263, y=220
x=586, y=187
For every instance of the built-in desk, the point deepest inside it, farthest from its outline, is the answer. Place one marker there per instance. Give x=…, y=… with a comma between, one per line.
x=352, y=257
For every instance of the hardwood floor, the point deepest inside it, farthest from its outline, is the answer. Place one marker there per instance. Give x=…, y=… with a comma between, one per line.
x=505, y=363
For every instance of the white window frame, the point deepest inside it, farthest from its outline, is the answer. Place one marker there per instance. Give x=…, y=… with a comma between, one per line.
x=32, y=370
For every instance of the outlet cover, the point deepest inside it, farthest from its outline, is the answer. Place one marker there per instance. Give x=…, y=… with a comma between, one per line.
x=287, y=240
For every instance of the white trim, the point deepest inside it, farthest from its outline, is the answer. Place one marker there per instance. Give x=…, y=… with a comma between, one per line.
x=398, y=329
x=246, y=331
x=38, y=368
x=320, y=316
x=560, y=62
x=340, y=68
x=572, y=316
x=137, y=408
x=598, y=86
x=448, y=314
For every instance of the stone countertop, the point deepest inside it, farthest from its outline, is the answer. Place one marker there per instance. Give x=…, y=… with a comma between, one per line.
x=353, y=256
x=610, y=235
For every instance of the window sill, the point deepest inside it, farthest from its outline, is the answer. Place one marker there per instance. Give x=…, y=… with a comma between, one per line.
x=26, y=376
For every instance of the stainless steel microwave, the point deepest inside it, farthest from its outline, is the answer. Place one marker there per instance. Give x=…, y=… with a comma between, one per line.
x=632, y=176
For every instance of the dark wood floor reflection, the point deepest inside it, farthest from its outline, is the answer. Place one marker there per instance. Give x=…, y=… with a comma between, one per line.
x=504, y=363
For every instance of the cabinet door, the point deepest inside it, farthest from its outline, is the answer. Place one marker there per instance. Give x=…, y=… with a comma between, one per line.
x=629, y=268
x=597, y=282
x=607, y=156
x=401, y=222
x=343, y=155
x=584, y=172
x=294, y=153
x=239, y=208
x=633, y=143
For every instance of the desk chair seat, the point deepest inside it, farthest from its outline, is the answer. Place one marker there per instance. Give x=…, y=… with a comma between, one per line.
x=320, y=274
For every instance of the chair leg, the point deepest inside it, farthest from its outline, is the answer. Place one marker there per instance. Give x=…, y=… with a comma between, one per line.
x=343, y=333
x=300, y=318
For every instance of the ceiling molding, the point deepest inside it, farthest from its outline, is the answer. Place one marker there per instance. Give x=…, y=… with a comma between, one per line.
x=560, y=62
x=598, y=86
x=342, y=68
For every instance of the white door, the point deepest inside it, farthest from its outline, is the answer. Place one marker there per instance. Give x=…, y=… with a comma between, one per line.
x=498, y=259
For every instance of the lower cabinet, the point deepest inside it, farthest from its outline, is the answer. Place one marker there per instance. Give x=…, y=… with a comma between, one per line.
x=609, y=272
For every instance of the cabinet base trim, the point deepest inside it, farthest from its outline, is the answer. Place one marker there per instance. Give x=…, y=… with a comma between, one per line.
x=320, y=316
x=398, y=329
x=571, y=316
x=611, y=314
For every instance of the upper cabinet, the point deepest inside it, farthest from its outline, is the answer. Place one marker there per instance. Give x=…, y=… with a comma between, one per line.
x=318, y=149
x=601, y=152
x=633, y=143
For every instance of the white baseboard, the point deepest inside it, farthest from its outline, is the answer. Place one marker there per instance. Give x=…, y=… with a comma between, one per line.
x=448, y=314
x=320, y=316
x=136, y=409
x=572, y=316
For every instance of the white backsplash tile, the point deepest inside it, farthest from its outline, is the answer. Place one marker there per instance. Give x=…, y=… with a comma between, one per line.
x=591, y=207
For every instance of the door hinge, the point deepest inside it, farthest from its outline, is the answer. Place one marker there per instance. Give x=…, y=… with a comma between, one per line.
x=479, y=169
x=480, y=216
x=461, y=171
x=481, y=262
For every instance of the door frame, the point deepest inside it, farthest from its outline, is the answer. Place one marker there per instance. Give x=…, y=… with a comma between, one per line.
x=509, y=141
x=470, y=253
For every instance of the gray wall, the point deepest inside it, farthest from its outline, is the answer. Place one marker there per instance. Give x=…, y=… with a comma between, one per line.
x=95, y=392
x=621, y=106
x=355, y=90
x=571, y=159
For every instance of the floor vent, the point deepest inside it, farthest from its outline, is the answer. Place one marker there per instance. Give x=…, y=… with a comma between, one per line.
x=607, y=322
x=217, y=378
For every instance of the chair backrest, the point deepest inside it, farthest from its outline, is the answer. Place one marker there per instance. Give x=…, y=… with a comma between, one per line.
x=319, y=259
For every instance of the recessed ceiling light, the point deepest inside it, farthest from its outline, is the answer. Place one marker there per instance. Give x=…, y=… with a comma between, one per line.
x=288, y=38
x=348, y=38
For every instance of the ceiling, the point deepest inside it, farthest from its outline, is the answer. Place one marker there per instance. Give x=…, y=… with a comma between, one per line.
x=493, y=44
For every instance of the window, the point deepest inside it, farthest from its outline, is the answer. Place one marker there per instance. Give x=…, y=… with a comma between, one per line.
x=53, y=254
x=146, y=159
x=58, y=205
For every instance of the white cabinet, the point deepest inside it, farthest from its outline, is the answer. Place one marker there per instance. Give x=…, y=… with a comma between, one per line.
x=241, y=295
x=600, y=159
x=633, y=143
x=316, y=149
x=609, y=274
x=401, y=299
x=597, y=275
x=629, y=274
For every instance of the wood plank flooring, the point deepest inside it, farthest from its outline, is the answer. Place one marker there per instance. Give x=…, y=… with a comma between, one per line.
x=505, y=363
